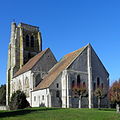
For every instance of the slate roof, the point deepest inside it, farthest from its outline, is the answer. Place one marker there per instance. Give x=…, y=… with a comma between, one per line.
x=63, y=64
x=31, y=63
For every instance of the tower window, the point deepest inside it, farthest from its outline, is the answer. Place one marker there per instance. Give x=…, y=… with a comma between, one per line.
x=32, y=41
x=27, y=41
x=29, y=56
x=78, y=81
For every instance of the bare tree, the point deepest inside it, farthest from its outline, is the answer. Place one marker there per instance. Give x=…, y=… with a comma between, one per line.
x=80, y=92
x=100, y=94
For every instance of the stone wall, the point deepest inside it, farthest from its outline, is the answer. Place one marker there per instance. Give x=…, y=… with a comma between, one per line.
x=78, y=67
x=56, y=88
x=80, y=63
x=99, y=71
x=46, y=62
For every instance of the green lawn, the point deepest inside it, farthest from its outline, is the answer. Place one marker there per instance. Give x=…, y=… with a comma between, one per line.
x=59, y=114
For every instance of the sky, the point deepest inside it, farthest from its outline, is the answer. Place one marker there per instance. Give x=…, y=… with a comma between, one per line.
x=66, y=25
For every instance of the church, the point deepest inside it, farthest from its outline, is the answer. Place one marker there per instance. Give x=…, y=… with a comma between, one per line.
x=48, y=82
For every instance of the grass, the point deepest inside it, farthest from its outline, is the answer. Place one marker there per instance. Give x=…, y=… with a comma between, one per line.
x=60, y=114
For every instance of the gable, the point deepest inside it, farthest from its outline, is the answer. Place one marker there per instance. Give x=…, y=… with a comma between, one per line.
x=63, y=64
x=31, y=63
x=80, y=63
x=97, y=64
x=46, y=62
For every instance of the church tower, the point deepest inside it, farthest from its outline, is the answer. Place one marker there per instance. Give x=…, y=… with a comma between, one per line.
x=25, y=42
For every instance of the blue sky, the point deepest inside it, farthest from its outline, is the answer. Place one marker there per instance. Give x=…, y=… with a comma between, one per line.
x=66, y=25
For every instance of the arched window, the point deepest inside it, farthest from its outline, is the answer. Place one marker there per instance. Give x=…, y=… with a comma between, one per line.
x=26, y=82
x=57, y=93
x=78, y=81
x=84, y=85
x=27, y=40
x=57, y=85
x=73, y=84
x=19, y=85
x=29, y=56
x=102, y=85
x=98, y=82
x=94, y=86
x=38, y=79
x=32, y=41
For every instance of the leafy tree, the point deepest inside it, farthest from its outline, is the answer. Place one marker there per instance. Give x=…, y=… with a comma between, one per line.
x=80, y=91
x=99, y=93
x=2, y=94
x=114, y=94
x=18, y=100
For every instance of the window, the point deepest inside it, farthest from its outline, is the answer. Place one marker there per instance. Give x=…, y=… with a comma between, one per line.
x=94, y=86
x=27, y=41
x=42, y=97
x=32, y=41
x=73, y=84
x=29, y=56
x=102, y=85
x=26, y=82
x=57, y=94
x=78, y=81
x=98, y=82
x=84, y=85
x=34, y=98
x=57, y=85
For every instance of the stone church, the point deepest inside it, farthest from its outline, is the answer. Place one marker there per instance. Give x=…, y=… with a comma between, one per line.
x=48, y=82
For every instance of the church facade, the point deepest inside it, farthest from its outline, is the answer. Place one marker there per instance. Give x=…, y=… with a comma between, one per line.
x=49, y=83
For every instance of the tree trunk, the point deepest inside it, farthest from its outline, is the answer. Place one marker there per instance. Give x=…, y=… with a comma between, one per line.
x=80, y=98
x=117, y=108
x=98, y=103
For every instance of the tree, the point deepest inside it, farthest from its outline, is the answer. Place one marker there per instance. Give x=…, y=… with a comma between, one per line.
x=18, y=100
x=2, y=94
x=114, y=94
x=99, y=93
x=80, y=91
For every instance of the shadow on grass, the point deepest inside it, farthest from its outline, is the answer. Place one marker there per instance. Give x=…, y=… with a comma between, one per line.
x=23, y=112
x=107, y=109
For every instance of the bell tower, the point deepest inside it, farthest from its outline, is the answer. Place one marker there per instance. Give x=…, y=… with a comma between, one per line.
x=25, y=42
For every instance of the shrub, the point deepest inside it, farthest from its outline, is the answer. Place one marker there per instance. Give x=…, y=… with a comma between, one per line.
x=2, y=94
x=18, y=101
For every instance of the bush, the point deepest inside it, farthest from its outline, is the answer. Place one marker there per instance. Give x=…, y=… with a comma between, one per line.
x=18, y=101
